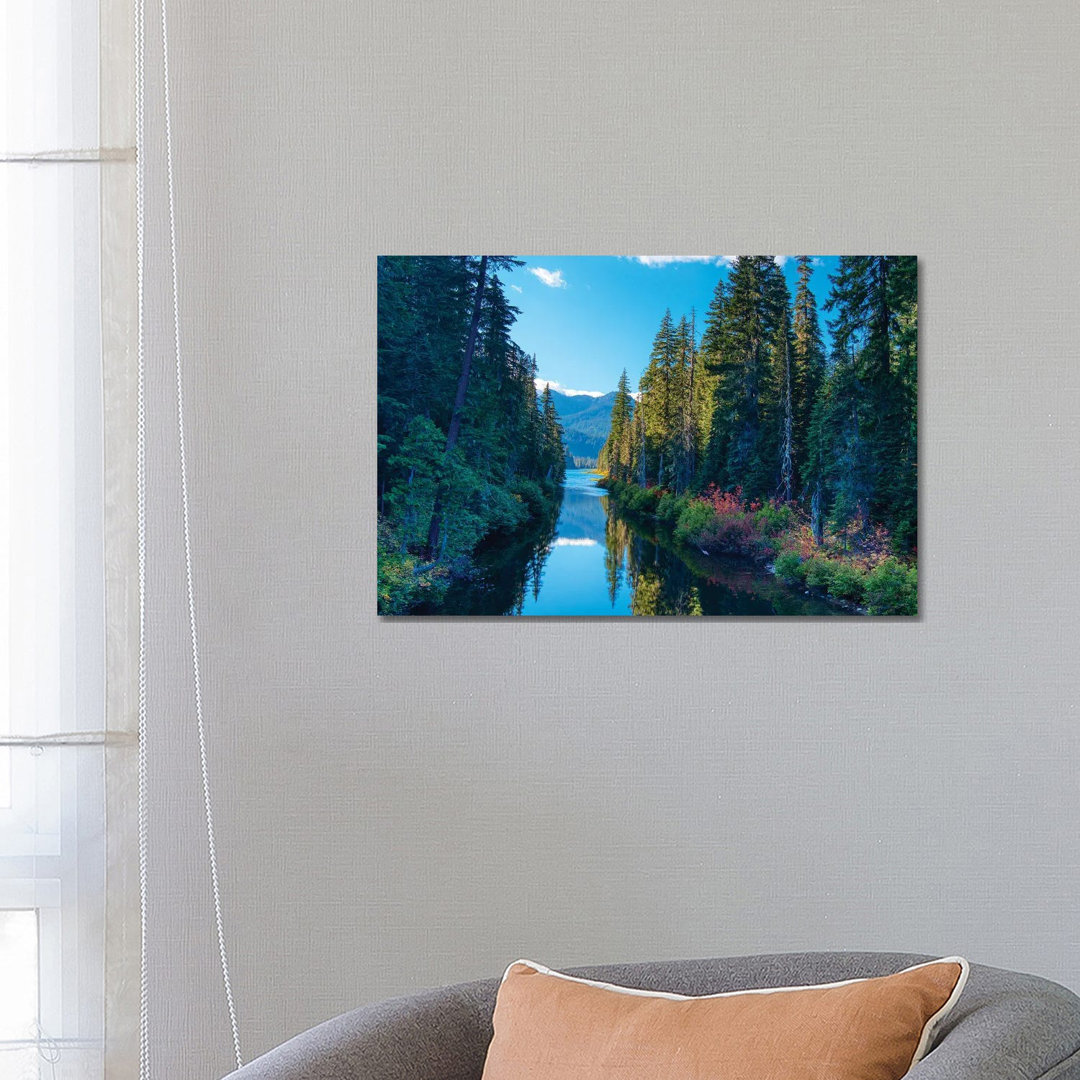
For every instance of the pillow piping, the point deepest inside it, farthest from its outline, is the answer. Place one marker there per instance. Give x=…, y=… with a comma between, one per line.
x=928, y=1031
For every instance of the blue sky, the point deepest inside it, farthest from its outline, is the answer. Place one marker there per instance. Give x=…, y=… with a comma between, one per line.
x=586, y=317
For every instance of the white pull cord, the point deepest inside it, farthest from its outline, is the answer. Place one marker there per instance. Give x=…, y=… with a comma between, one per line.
x=140, y=455
x=210, y=845
x=140, y=93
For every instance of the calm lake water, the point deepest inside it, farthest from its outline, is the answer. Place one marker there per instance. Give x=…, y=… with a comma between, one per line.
x=590, y=561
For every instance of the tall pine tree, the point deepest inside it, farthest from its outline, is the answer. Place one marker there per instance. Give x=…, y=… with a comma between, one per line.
x=808, y=359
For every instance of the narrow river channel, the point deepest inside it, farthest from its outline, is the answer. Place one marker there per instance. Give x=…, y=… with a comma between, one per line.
x=591, y=561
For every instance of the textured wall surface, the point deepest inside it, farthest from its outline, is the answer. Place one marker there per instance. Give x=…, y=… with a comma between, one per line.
x=402, y=804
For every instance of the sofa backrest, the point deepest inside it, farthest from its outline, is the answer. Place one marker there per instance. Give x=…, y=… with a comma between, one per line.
x=1006, y=1026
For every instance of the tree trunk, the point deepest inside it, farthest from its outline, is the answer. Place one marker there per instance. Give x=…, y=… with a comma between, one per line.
x=459, y=407
x=690, y=424
x=466, y=365
x=786, y=469
x=642, y=471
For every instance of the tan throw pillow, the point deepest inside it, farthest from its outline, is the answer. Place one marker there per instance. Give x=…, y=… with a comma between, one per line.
x=550, y=1026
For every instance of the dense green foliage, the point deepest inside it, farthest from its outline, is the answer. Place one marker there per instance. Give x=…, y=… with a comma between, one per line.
x=465, y=450
x=756, y=443
x=755, y=439
x=892, y=589
x=867, y=578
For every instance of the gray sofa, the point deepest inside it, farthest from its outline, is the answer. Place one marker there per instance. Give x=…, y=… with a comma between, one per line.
x=1006, y=1026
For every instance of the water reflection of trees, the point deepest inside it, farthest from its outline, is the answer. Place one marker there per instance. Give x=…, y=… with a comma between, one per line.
x=662, y=585
x=662, y=578
x=534, y=568
x=616, y=538
x=506, y=573
x=666, y=579
x=659, y=584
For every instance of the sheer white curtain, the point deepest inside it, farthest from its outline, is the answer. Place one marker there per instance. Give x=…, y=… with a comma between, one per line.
x=55, y=205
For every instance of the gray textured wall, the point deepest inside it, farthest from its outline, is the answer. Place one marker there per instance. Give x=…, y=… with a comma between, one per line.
x=409, y=803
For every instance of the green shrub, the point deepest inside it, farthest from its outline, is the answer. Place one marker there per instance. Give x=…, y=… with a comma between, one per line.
x=397, y=583
x=501, y=511
x=789, y=567
x=904, y=537
x=400, y=584
x=773, y=520
x=531, y=495
x=639, y=500
x=847, y=583
x=892, y=589
x=670, y=507
x=693, y=521
x=819, y=572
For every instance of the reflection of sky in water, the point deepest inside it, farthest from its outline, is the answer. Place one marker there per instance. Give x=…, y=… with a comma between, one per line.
x=575, y=580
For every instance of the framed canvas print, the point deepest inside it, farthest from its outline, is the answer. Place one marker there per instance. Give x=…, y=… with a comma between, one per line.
x=647, y=435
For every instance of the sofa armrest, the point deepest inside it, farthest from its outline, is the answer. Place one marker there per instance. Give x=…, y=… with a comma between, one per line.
x=1007, y=1026
x=441, y=1034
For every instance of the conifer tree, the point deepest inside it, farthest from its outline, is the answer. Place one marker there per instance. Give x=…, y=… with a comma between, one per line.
x=688, y=420
x=677, y=445
x=874, y=298
x=748, y=386
x=786, y=485
x=554, y=454
x=714, y=410
x=808, y=360
x=655, y=404
x=618, y=448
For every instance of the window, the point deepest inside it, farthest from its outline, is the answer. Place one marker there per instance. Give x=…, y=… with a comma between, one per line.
x=52, y=591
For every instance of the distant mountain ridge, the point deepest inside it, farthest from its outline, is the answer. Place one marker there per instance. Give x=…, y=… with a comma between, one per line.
x=586, y=423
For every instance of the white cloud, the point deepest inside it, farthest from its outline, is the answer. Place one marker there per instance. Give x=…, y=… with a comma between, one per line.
x=553, y=279
x=541, y=383
x=715, y=260
x=569, y=541
x=667, y=260
x=516, y=288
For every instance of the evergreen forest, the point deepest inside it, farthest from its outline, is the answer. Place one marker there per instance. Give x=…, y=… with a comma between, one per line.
x=466, y=452
x=765, y=462
x=756, y=441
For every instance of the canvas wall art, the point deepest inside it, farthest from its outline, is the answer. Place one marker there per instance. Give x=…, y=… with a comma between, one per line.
x=647, y=435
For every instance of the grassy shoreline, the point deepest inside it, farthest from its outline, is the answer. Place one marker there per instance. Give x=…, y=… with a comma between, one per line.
x=854, y=567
